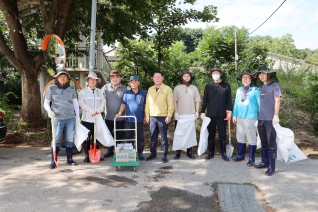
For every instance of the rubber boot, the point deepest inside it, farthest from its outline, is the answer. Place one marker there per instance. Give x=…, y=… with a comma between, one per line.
x=97, y=147
x=86, y=148
x=178, y=154
x=110, y=152
x=264, y=162
x=271, y=163
x=189, y=153
x=241, y=152
x=251, y=155
x=223, y=151
x=211, y=150
x=70, y=161
x=52, y=165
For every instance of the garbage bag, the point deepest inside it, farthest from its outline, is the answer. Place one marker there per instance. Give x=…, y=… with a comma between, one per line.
x=204, y=135
x=287, y=150
x=80, y=135
x=185, y=134
x=103, y=134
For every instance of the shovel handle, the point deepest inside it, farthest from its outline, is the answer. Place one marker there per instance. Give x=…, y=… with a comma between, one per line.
x=229, y=128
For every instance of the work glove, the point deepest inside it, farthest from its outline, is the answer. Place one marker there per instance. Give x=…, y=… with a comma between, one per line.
x=78, y=120
x=228, y=115
x=91, y=111
x=51, y=114
x=275, y=119
x=176, y=116
x=196, y=115
x=234, y=120
x=202, y=116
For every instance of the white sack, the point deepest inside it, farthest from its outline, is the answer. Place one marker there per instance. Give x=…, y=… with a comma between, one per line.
x=103, y=134
x=204, y=135
x=287, y=150
x=184, y=135
x=80, y=135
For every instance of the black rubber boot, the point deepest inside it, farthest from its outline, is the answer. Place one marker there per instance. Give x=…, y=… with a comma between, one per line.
x=223, y=151
x=211, y=150
x=241, y=152
x=86, y=147
x=264, y=162
x=251, y=155
x=52, y=165
x=178, y=154
x=69, y=151
x=189, y=153
x=271, y=163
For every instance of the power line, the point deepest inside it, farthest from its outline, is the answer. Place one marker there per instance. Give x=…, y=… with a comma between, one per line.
x=267, y=18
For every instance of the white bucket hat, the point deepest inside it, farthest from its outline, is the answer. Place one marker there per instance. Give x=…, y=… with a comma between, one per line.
x=93, y=76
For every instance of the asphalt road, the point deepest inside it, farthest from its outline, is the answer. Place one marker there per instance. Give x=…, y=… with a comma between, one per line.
x=27, y=184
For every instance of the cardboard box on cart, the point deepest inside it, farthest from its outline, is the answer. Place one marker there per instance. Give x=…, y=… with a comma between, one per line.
x=125, y=155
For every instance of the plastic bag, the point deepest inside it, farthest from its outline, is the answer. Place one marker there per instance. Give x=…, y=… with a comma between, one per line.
x=80, y=135
x=102, y=133
x=185, y=135
x=204, y=135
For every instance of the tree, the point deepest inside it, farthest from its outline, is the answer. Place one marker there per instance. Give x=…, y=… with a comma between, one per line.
x=168, y=19
x=191, y=38
x=67, y=19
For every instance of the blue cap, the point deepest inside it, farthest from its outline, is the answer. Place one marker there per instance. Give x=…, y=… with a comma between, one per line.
x=134, y=78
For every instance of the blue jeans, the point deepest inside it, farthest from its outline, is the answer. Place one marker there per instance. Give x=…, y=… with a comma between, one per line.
x=67, y=127
x=158, y=123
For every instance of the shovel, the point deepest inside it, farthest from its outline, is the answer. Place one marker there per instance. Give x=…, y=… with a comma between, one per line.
x=94, y=154
x=229, y=147
x=54, y=144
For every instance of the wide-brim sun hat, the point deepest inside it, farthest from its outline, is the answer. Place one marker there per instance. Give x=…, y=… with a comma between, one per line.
x=62, y=71
x=187, y=72
x=265, y=69
x=245, y=72
x=215, y=68
x=115, y=73
x=93, y=76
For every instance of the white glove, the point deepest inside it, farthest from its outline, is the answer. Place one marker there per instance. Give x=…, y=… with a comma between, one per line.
x=196, y=115
x=91, y=111
x=176, y=116
x=275, y=119
x=202, y=116
x=78, y=120
x=51, y=114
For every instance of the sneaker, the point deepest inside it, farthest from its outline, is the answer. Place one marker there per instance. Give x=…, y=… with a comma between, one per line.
x=164, y=159
x=108, y=154
x=141, y=156
x=151, y=157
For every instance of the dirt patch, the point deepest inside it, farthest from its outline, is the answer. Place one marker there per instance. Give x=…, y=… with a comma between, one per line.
x=108, y=180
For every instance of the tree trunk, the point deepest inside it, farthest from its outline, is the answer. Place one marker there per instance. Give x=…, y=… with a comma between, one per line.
x=31, y=103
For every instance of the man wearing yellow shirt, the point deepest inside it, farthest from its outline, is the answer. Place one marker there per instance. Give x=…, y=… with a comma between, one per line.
x=159, y=109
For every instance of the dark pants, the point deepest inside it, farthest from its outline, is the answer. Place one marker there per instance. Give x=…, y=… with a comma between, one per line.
x=158, y=123
x=90, y=127
x=267, y=134
x=120, y=135
x=220, y=124
x=130, y=134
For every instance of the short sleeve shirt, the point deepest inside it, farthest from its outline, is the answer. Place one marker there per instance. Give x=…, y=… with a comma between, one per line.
x=135, y=105
x=186, y=97
x=114, y=98
x=267, y=101
x=62, y=101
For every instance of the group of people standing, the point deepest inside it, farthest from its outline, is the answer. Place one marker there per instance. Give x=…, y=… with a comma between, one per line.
x=160, y=103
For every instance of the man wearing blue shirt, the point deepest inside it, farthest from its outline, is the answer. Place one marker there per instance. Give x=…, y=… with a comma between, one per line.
x=134, y=101
x=245, y=113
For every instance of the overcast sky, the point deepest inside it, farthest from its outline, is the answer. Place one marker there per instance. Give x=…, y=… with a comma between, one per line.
x=296, y=17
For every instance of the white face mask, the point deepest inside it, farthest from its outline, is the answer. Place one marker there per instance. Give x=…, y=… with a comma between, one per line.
x=215, y=77
x=246, y=84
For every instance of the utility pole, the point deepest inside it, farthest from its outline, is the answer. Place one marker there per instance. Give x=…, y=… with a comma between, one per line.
x=92, y=41
x=236, y=56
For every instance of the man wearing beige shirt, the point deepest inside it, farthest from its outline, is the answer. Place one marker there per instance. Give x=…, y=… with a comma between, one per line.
x=159, y=109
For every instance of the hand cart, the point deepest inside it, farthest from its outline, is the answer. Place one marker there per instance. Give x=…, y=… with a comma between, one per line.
x=129, y=163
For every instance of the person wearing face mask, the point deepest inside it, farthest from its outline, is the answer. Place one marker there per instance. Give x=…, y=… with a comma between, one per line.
x=268, y=116
x=186, y=102
x=245, y=113
x=217, y=101
x=92, y=101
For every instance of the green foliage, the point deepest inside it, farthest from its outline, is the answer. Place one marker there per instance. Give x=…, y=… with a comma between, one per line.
x=191, y=38
x=6, y=110
x=12, y=88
